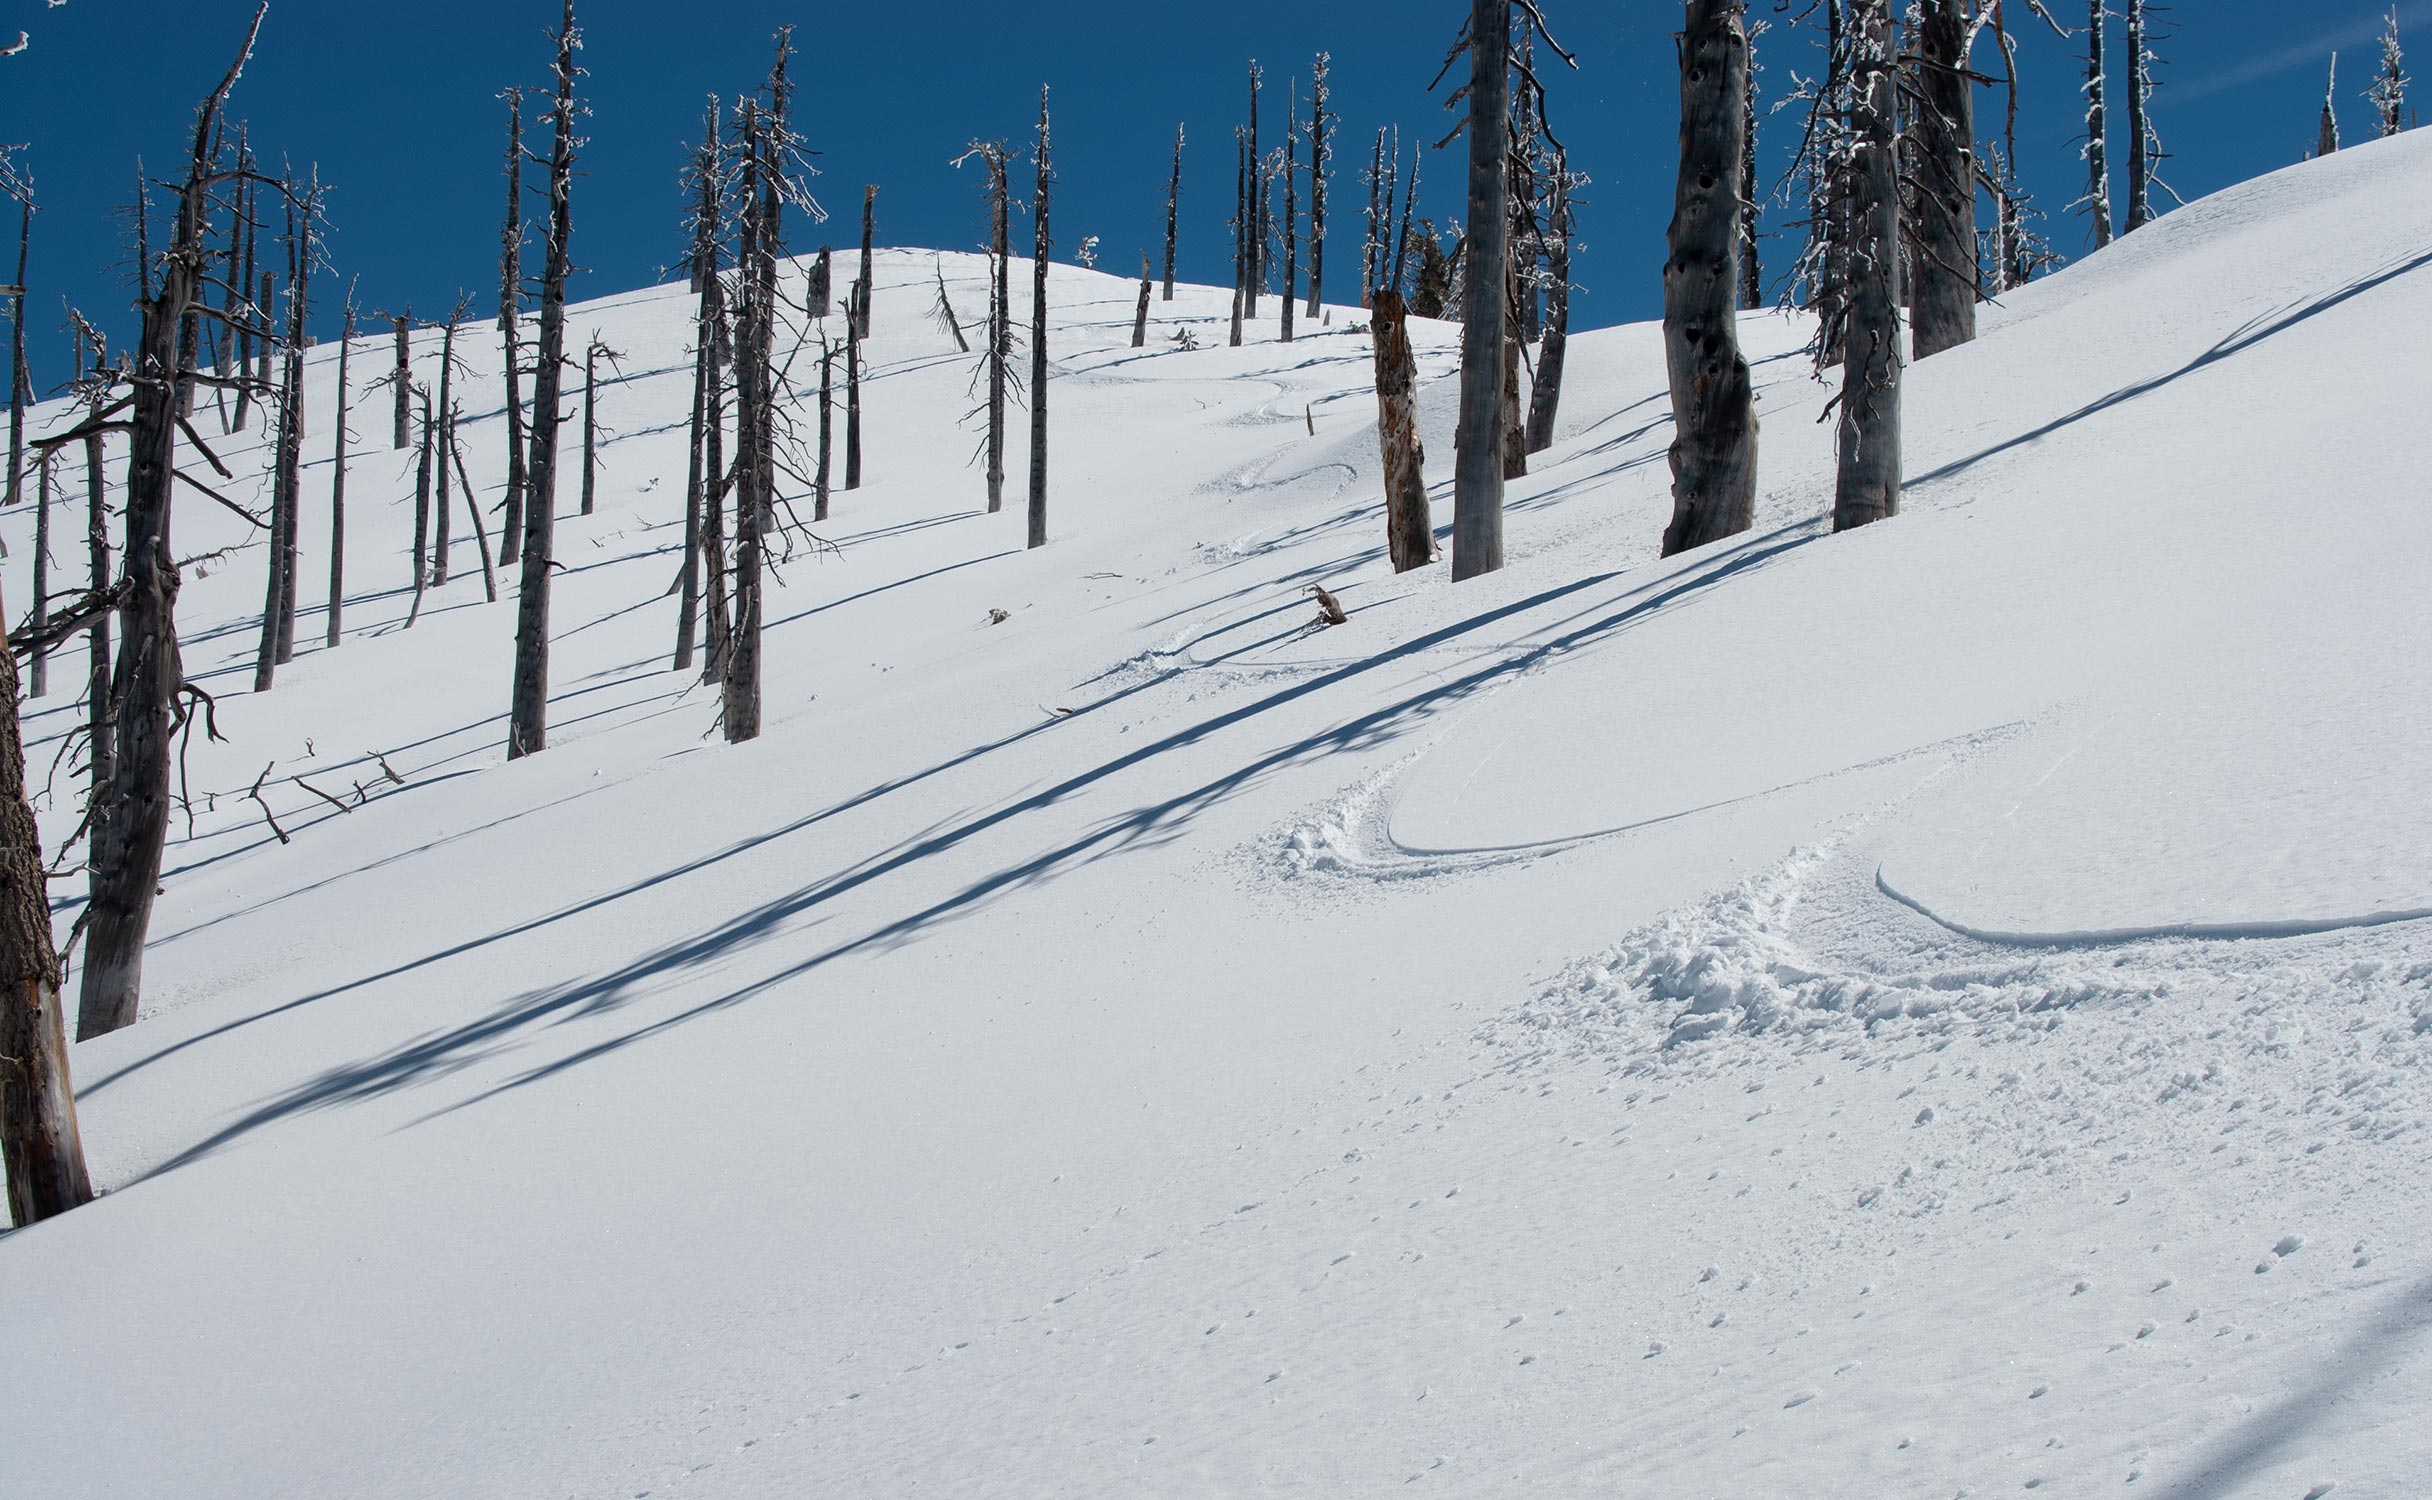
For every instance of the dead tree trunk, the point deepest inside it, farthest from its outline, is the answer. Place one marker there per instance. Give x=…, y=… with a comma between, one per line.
x=2141, y=140
x=1370, y=238
x=472, y=504
x=19, y=378
x=820, y=290
x=1410, y=538
x=706, y=177
x=1752, y=271
x=101, y=719
x=131, y=825
x=1321, y=156
x=528, y=718
x=1545, y=397
x=739, y=699
x=1000, y=319
x=827, y=403
x=1241, y=233
x=1477, y=525
x=2098, y=166
x=422, y=513
x=337, y=484
x=435, y=438
x=1173, y=213
x=855, y=314
x=713, y=498
x=401, y=379
x=1140, y=313
x=591, y=420
x=1869, y=479
x=1291, y=292
x=1713, y=400
x=1038, y=336
x=244, y=235
x=39, y=1143
x=688, y=580
x=510, y=320
x=869, y=225
x=2326, y=140
x=1943, y=142
x=1255, y=230
x=38, y=671
x=1410, y=193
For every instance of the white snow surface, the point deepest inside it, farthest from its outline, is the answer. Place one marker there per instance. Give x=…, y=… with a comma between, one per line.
x=1940, y=1010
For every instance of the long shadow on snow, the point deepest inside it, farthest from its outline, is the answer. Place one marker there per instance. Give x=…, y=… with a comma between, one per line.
x=452, y=1050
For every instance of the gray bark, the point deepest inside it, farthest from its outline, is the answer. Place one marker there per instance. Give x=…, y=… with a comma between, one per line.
x=1291, y=292
x=1038, y=337
x=131, y=821
x=1140, y=313
x=2327, y=141
x=100, y=715
x=39, y=1143
x=689, y=579
x=472, y=506
x=1868, y=487
x=2098, y=148
x=1714, y=445
x=510, y=319
x=1241, y=233
x=19, y=379
x=855, y=317
x=1545, y=396
x=337, y=484
x=1173, y=213
x=1319, y=156
x=1254, y=230
x=422, y=514
x=827, y=401
x=38, y=672
x=1943, y=140
x=820, y=295
x=869, y=223
x=443, y=549
x=528, y=715
x=402, y=380
x=1373, y=239
x=1477, y=525
x=1000, y=319
x=1410, y=538
x=2140, y=126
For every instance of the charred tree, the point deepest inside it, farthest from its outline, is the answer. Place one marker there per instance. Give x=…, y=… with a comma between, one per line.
x=1241, y=233
x=1038, y=333
x=592, y=355
x=997, y=366
x=131, y=821
x=855, y=315
x=2098, y=145
x=1173, y=213
x=39, y=1144
x=422, y=511
x=19, y=377
x=688, y=578
x=713, y=503
x=337, y=482
x=706, y=178
x=510, y=330
x=1321, y=157
x=37, y=665
x=1254, y=228
x=1291, y=165
x=1140, y=313
x=827, y=405
x=2144, y=145
x=528, y=716
x=1410, y=538
x=1477, y=524
x=1370, y=237
x=820, y=292
x=1942, y=146
x=2326, y=140
x=1401, y=235
x=435, y=440
x=1713, y=399
x=401, y=380
x=1545, y=395
x=869, y=228
x=1868, y=487
x=1752, y=270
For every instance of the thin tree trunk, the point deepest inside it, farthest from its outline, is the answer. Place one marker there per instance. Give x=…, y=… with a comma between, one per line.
x=869, y=223
x=689, y=581
x=1038, y=339
x=472, y=508
x=1943, y=137
x=1370, y=239
x=1869, y=481
x=1752, y=271
x=1000, y=319
x=1477, y=526
x=1291, y=294
x=1255, y=232
x=100, y=719
x=19, y=380
x=852, y=388
x=1513, y=427
x=244, y=230
x=1410, y=193
x=131, y=826
x=2098, y=167
x=403, y=381
x=1714, y=452
x=2140, y=128
x=1317, y=188
x=337, y=484
x=528, y=719
x=422, y=518
x=591, y=425
x=740, y=684
x=1410, y=538
x=39, y=1143
x=1173, y=213
x=827, y=407
x=1241, y=233
x=713, y=499
x=510, y=320
x=443, y=547
x=38, y=670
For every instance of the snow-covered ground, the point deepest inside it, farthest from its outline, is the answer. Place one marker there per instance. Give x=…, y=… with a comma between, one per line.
x=1940, y=1010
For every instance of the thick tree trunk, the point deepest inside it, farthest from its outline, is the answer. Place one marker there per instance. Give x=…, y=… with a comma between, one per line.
x=39, y=1144
x=1545, y=397
x=1714, y=451
x=1410, y=538
x=1869, y=479
x=1038, y=338
x=528, y=716
x=2098, y=166
x=1317, y=188
x=1477, y=524
x=337, y=485
x=1173, y=213
x=1943, y=137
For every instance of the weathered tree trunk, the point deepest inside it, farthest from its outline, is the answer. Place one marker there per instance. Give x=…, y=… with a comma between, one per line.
x=591, y=425
x=819, y=295
x=689, y=579
x=19, y=379
x=434, y=437
x=1410, y=192
x=1477, y=517
x=1000, y=320
x=38, y=671
x=2098, y=166
x=291, y=415
x=472, y=508
x=1255, y=232
x=422, y=514
x=699, y=477
x=1513, y=429
x=402, y=380
x=1241, y=234
x=1828, y=192
x=869, y=223
x=1038, y=336
x=1410, y=538
x=740, y=689
x=2140, y=127
x=337, y=484
x=1943, y=138
x=827, y=404
x=1713, y=401
x=1140, y=313
x=244, y=232
x=1173, y=213
x=131, y=823
x=1869, y=479
x=2327, y=141
x=39, y=1144
x=274, y=594
x=528, y=716
x=1371, y=239
x=1752, y=270
x=1545, y=396
x=101, y=719
x=852, y=386
x=713, y=500
x=1291, y=290
x=510, y=320
x=1319, y=158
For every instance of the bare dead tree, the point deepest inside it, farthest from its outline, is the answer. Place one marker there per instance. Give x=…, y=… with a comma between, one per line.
x=1714, y=447
x=996, y=366
x=422, y=507
x=1140, y=313
x=337, y=481
x=1942, y=154
x=1545, y=395
x=1372, y=238
x=1173, y=213
x=827, y=406
x=1401, y=237
x=705, y=176
x=1752, y=270
x=20, y=379
x=2144, y=143
x=448, y=423
x=1242, y=219
x=869, y=223
x=1868, y=487
x=510, y=329
x=2326, y=140
x=100, y=709
x=401, y=380
x=528, y=716
x=1291, y=226
x=1321, y=160
x=1254, y=228
x=1409, y=531
x=854, y=318
x=131, y=820
x=37, y=664
x=2098, y=147
x=1038, y=333
x=821, y=290
x=596, y=351
x=713, y=500
x=279, y=613
x=943, y=313
x=39, y=1142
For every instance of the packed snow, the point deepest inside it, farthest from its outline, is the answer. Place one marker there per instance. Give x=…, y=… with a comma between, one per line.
x=1939, y=1010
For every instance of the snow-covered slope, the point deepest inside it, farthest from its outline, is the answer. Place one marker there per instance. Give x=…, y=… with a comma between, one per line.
x=1903, y=1013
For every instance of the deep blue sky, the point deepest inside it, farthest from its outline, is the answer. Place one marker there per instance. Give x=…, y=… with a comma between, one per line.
x=395, y=102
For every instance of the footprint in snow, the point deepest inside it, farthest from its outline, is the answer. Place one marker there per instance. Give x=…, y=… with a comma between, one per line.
x=2289, y=1245
x=1801, y=1399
